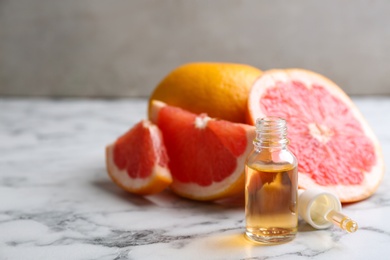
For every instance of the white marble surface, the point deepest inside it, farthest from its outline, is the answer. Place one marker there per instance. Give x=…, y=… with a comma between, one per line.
x=57, y=202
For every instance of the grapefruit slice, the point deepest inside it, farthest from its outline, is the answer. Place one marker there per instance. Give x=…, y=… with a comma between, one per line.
x=138, y=161
x=206, y=156
x=335, y=147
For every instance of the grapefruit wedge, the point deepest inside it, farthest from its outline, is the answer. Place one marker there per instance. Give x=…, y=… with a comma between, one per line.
x=335, y=147
x=206, y=156
x=138, y=162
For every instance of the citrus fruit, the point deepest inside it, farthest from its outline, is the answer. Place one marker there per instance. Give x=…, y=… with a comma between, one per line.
x=218, y=89
x=336, y=149
x=206, y=156
x=138, y=162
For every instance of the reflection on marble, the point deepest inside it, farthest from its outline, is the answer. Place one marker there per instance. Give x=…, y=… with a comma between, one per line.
x=56, y=201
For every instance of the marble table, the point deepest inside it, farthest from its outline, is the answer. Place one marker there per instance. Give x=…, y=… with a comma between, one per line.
x=57, y=202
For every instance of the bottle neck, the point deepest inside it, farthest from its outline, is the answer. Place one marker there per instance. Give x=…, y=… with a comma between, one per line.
x=271, y=132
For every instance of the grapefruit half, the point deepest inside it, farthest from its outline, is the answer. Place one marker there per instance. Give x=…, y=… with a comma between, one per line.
x=138, y=161
x=335, y=147
x=206, y=156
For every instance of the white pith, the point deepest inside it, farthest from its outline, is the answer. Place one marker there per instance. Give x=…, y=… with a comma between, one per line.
x=201, y=121
x=320, y=132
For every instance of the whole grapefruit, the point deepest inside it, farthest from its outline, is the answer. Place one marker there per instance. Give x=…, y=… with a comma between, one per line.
x=218, y=89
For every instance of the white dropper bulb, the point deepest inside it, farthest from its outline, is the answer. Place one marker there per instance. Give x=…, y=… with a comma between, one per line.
x=322, y=209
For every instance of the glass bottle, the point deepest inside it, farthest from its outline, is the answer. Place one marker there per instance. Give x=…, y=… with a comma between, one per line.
x=271, y=185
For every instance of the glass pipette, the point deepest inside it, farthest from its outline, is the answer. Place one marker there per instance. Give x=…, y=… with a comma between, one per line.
x=322, y=209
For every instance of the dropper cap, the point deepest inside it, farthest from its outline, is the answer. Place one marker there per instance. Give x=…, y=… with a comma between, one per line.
x=322, y=209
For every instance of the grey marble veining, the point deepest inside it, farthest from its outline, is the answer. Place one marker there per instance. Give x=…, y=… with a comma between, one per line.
x=57, y=202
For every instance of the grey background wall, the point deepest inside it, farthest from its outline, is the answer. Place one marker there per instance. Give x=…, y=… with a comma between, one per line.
x=102, y=48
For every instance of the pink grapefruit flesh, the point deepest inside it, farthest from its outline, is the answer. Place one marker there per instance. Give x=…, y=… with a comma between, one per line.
x=335, y=147
x=207, y=156
x=138, y=162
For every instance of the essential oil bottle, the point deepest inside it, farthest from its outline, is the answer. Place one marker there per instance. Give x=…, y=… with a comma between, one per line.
x=271, y=185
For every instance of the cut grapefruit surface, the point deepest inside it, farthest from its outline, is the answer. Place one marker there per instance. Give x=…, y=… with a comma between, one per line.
x=138, y=162
x=207, y=156
x=335, y=147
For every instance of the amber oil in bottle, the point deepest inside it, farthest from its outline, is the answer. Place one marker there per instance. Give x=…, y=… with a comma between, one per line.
x=271, y=185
